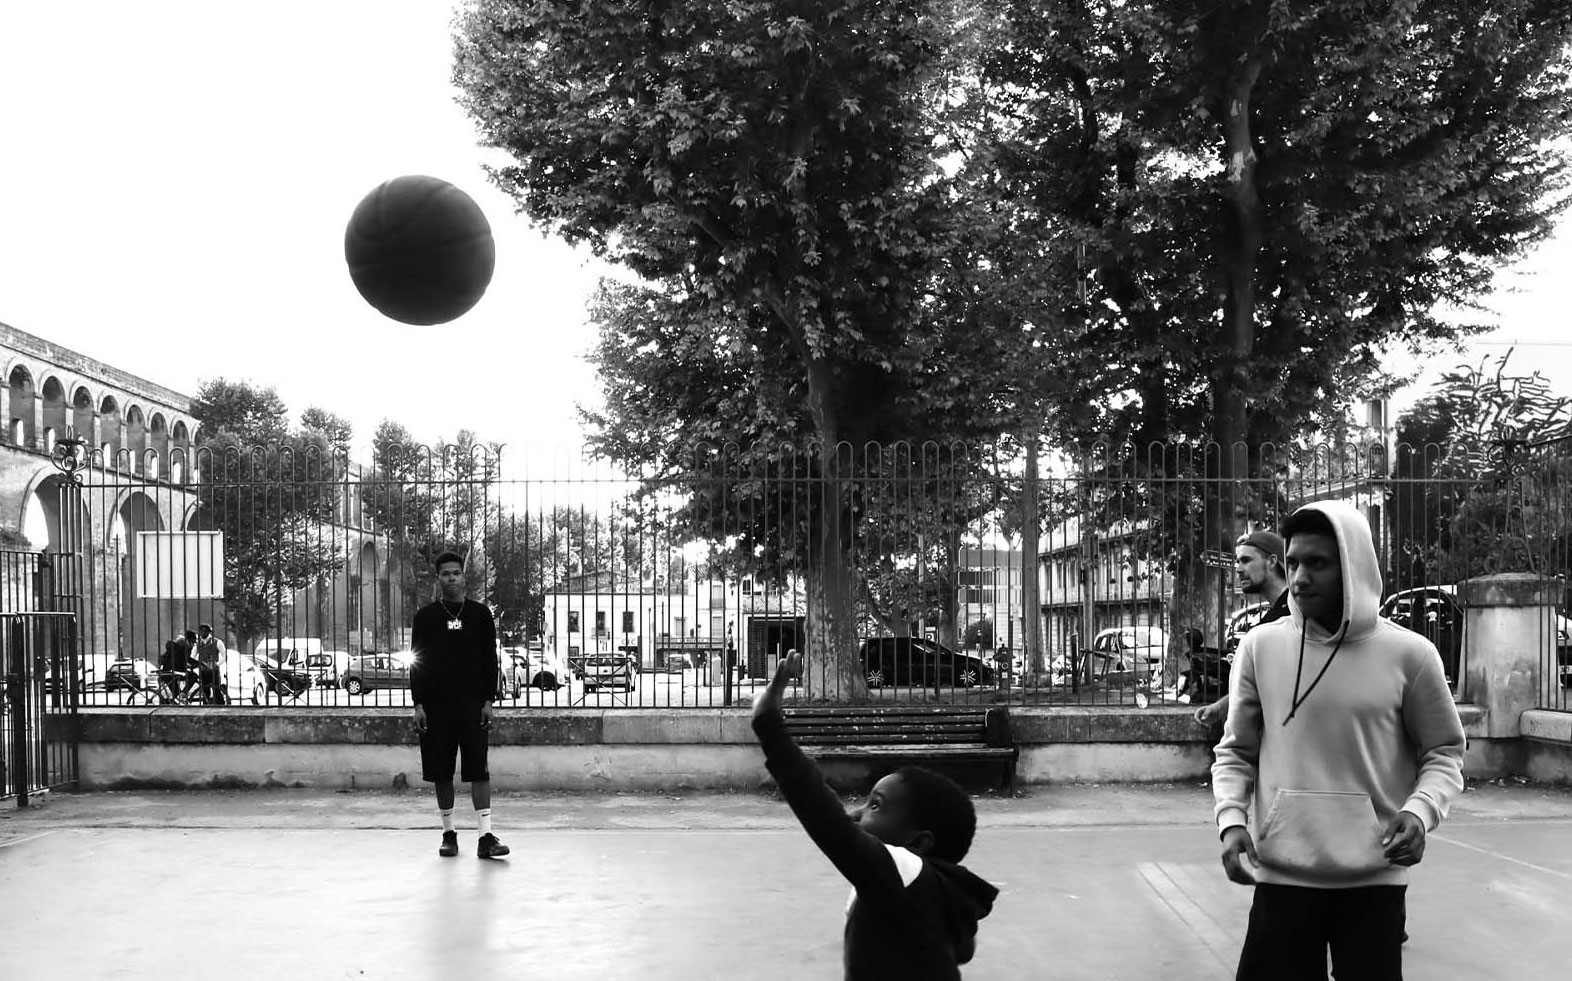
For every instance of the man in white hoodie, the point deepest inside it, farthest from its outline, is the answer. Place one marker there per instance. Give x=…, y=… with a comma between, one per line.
x=1343, y=739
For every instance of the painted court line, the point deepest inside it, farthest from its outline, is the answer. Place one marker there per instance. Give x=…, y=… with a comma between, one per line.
x=1504, y=858
x=18, y=841
x=1163, y=879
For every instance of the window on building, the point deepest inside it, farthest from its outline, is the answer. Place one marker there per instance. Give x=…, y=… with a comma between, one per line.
x=573, y=621
x=717, y=593
x=627, y=621
x=600, y=623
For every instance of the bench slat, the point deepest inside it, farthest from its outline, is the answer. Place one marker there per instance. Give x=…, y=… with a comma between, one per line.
x=917, y=751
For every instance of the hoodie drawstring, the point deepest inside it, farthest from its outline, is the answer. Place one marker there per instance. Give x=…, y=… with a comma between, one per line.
x=1341, y=633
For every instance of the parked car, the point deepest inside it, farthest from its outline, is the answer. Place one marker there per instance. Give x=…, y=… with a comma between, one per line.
x=1435, y=613
x=327, y=667
x=244, y=682
x=1239, y=624
x=127, y=673
x=922, y=662
x=286, y=678
x=1135, y=650
x=547, y=670
x=608, y=670
x=378, y=670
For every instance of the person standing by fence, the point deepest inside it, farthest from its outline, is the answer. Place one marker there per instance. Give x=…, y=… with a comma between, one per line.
x=453, y=683
x=1258, y=559
x=210, y=665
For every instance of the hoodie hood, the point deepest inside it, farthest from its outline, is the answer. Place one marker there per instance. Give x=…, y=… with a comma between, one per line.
x=968, y=898
x=1361, y=573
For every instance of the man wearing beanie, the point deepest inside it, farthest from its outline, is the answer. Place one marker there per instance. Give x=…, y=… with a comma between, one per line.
x=1258, y=559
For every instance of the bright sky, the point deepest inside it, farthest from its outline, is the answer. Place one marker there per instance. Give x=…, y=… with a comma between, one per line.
x=174, y=185
x=175, y=176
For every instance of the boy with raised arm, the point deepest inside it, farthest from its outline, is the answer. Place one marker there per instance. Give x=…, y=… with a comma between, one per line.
x=914, y=908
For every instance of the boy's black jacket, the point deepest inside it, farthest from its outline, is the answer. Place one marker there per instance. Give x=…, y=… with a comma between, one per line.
x=914, y=926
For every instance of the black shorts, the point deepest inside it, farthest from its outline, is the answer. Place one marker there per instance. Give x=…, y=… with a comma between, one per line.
x=453, y=728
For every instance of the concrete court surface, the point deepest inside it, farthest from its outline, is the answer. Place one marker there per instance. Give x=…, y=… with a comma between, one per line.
x=1098, y=882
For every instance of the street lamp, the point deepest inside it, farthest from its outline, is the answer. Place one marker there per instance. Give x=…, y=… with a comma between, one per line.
x=70, y=455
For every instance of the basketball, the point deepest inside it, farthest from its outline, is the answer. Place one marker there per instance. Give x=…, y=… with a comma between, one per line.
x=420, y=250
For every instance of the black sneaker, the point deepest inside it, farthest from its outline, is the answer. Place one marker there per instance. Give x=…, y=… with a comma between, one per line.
x=490, y=847
x=449, y=844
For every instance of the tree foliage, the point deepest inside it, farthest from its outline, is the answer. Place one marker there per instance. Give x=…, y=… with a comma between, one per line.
x=1263, y=196
x=767, y=170
x=275, y=496
x=1481, y=477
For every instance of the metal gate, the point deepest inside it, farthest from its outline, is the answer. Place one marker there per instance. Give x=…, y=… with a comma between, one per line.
x=38, y=725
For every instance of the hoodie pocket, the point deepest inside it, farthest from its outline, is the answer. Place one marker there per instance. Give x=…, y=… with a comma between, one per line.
x=1321, y=834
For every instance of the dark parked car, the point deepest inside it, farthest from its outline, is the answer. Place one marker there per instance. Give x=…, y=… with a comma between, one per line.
x=922, y=662
x=130, y=673
x=284, y=679
x=1434, y=612
x=371, y=671
x=1240, y=623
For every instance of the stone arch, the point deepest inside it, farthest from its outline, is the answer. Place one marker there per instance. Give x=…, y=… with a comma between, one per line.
x=41, y=514
x=141, y=621
x=19, y=428
x=110, y=431
x=158, y=437
x=82, y=416
x=53, y=417
x=136, y=438
x=180, y=457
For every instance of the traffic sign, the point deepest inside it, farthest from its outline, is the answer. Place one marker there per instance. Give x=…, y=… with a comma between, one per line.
x=1217, y=560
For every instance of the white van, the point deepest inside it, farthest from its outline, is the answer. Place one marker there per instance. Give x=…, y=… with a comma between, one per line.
x=289, y=652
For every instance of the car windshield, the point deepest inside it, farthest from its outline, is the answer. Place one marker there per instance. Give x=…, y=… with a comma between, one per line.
x=1144, y=637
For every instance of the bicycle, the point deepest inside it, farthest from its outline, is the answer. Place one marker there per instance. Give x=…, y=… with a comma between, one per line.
x=173, y=688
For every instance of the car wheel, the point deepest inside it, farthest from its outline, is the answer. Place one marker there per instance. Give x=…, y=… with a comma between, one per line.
x=258, y=693
x=875, y=678
x=354, y=686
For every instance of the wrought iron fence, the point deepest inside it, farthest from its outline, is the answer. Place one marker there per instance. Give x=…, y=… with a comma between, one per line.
x=684, y=588
x=38, y=666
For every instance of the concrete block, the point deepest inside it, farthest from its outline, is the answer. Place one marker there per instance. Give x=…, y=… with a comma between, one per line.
x=1548, y=726
x=120, y=725
x=203, y=725
x=559, y=727
x=331, y=726
x=658, y=726
x=1112, y=763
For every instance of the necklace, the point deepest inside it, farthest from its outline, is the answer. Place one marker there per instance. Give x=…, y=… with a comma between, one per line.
x=454, y=618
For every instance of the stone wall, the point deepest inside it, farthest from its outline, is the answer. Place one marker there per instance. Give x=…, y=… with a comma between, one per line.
x=590, y=749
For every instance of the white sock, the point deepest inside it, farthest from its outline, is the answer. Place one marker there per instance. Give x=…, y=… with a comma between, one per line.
x=485, y=820
x=447, y=819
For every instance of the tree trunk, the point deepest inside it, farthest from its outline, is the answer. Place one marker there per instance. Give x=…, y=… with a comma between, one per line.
x=1031, y=611
x=832, y=669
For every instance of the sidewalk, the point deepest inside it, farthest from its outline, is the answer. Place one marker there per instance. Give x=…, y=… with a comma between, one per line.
x=1097, y=882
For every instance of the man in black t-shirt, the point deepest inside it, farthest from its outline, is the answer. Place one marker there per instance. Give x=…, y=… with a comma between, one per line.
x=452, y=684
x=1258, y=556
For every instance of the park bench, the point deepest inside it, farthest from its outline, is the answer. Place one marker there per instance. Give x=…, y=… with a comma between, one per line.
x=892, y=736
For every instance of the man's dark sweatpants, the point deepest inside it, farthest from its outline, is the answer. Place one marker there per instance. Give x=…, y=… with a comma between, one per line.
x=1292, y=926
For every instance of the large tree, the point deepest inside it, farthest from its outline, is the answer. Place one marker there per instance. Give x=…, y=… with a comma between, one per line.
x=275, y=496
x=1254, y=199
x=767, y=170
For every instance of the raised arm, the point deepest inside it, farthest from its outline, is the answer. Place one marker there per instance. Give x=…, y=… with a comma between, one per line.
x=859, y=856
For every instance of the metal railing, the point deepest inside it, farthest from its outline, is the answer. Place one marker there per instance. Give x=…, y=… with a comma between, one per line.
x=39, y=669
x=684, y=588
